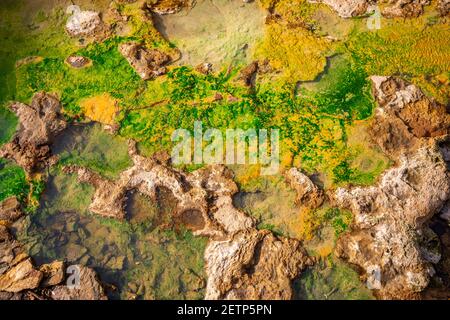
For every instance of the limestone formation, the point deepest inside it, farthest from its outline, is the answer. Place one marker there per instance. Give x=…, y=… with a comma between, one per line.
x=389, y=230
x=147, y=63
x=39, y=124
x=346, y=8
x=10, y=210
x=308, y=194
x=241, y=262
x=82, y=23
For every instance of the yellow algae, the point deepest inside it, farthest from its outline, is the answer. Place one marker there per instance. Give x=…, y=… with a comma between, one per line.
x=102, y=108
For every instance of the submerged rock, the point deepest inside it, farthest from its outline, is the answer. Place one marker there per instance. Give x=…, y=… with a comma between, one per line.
x=148, y=63
x=388, y=238
x=39, y=124
x=78, y=62
x=168, y=6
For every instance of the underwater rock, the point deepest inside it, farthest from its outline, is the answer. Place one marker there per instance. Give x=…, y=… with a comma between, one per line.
x=40, y=123
x=390, y=218
x=148, y=63
x=308, y=194
x=10, y=210
x=87, y=287
x=248, y=74
x=253, y=265
x=20, y=277
x=82, y=23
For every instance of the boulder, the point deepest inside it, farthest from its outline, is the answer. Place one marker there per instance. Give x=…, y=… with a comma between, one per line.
x=10, y=210
x=308, y=194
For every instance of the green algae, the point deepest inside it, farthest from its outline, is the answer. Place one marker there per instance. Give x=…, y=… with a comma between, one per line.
x=13, y=181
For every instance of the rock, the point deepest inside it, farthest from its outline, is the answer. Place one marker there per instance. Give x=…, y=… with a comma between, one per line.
x=404, y=116
x=405, y=8
x=308, y=194
x=253, y=265
x=147, y=63
x=248, y=74
x=78, y=62
x=164, y=7
x=242, y=261
x=346, y=8
x=53, y=273
x=82, y=23
x=444, y=7
x=86, y=288
x=388, y=239
x=40, y=123
x=10, y=210
x=20, y=277
x=74, y=252
x=204, y=68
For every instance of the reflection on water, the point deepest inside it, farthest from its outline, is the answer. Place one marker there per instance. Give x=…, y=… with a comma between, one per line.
x=141, y=258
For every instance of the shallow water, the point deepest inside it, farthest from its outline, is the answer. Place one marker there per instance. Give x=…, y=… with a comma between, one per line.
x=215, y=31
x=141, y=258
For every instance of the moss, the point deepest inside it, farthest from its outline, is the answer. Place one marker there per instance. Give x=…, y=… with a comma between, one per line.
x=8, y=125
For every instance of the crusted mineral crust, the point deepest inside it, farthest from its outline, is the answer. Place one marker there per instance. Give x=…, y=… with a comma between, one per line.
x=83, y=23
x=346, y=8
x=389, y=224
x=241, y=261
x=147, y=63
x=39, y=124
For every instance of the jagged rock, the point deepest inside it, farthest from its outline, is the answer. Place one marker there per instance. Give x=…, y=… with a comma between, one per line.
x=444, y=7
x=82, y=23
x=53, y=273
x=20, y=277
x=388, y=234
x=405, y=8
x=242, y=261
x=253, y=265
x=168, y=6
x=77, y=62
x=87, y=287
x=204, y=68
x=404, y=116
x=39, y=124
x=10, y=210
x=248, y=73
x=308, y=194
x=147, y=63
x=346, y=8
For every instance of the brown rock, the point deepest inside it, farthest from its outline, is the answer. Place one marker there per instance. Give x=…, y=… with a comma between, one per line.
x=308, y=194
x=405, y=8
x=248, y=74
x=346, y=8
x=253, y=265
x=147, y=63
x=40, y=123
x=85, y=287
x=388, y=240
x=168, y=6
x=10, y=210
x=78, y=62
x=53, y=273
x=20, y=277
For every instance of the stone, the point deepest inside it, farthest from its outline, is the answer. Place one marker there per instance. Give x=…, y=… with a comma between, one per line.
x=74, y=252
x=86, y=287
x=148, y=63
x=10, y=210
x=78, y=62
x=53, y=273
x=389, y=240
x=39, y=124
x=308, y=194
x=20, y=277
x=346, y=8
x=82, y=23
